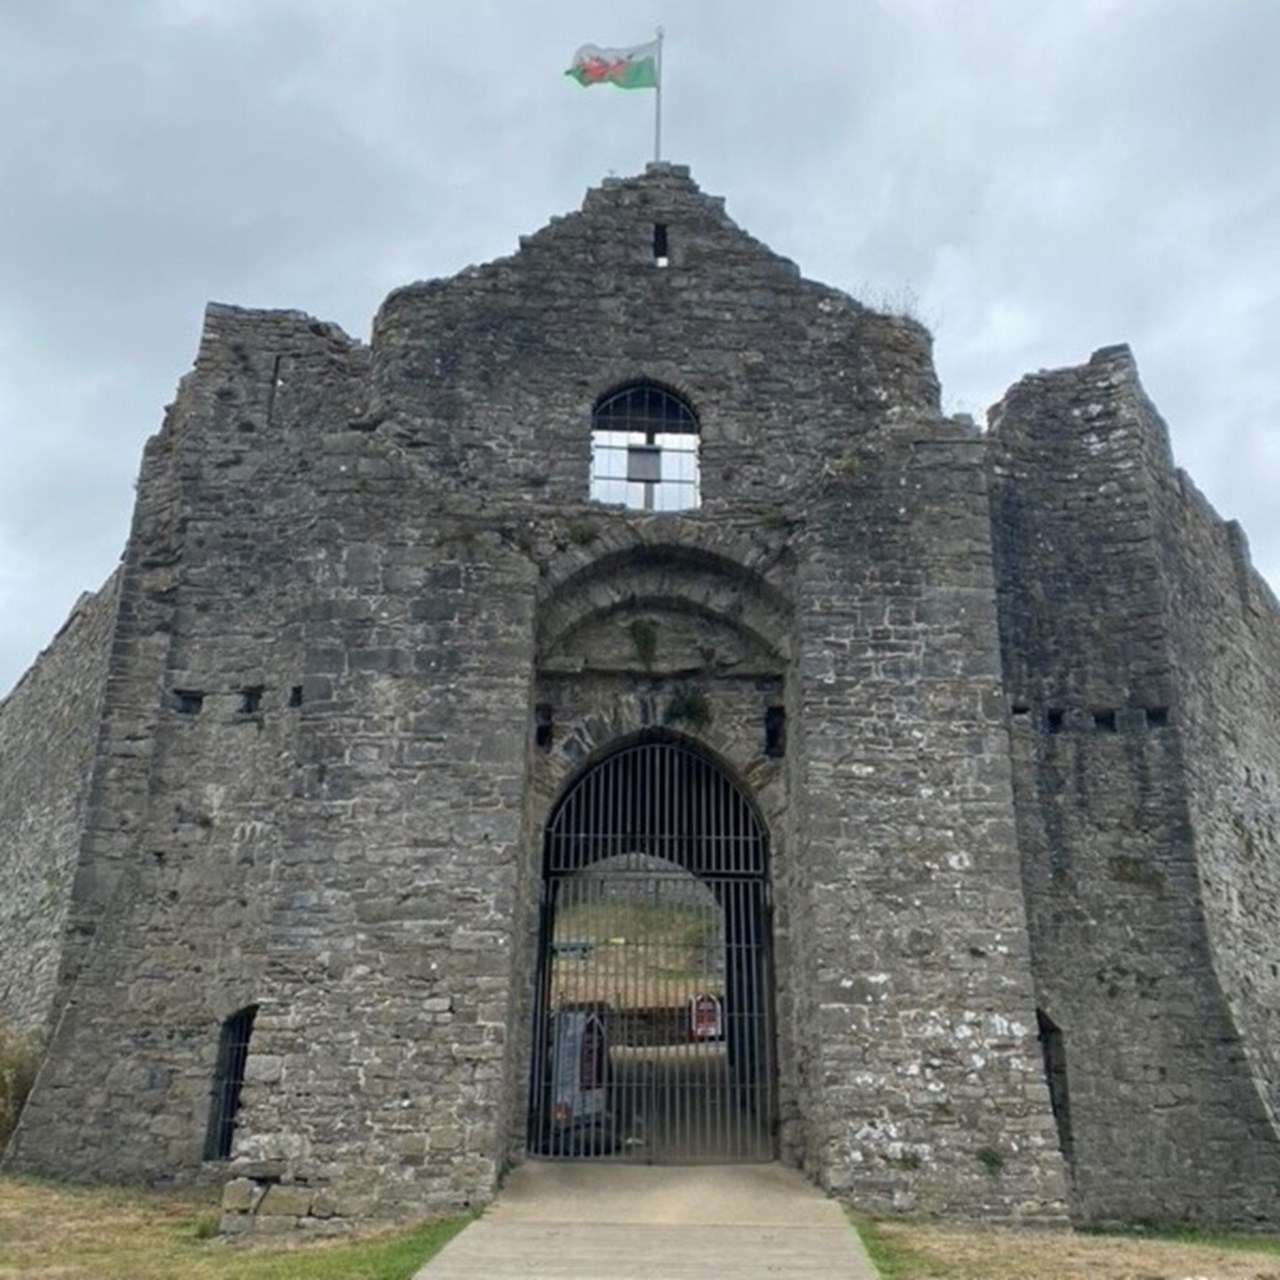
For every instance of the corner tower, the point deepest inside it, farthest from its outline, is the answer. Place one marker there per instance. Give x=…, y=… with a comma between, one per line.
x=1140, y=653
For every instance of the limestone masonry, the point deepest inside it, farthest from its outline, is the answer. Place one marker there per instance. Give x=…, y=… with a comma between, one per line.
x=276, y=804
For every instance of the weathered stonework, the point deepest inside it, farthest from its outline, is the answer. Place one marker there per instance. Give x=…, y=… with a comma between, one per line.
x=49, y=731
x=1140, y=663
x=1030, y=764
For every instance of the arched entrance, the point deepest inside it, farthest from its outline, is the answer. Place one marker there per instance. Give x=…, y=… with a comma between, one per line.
x=653, y=1023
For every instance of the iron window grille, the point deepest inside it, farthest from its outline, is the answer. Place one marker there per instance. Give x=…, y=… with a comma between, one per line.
x=644, y=450
x=228, y=1081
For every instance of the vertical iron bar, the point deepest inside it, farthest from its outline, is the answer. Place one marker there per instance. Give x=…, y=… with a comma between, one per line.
x=661, y=762
x=742, y=988
x=752, y=890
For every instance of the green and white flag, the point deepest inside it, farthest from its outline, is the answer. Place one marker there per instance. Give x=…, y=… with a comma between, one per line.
x=634, y=68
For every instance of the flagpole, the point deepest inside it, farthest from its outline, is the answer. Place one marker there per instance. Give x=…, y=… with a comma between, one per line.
x=657, y=106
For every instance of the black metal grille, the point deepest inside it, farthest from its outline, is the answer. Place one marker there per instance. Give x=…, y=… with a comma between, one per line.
x=646, y=408
x=644, y=450
x=653, y=1031
x=228, y=1081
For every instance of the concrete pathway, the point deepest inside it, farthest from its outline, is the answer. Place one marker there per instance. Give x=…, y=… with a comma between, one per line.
x=591, y=1221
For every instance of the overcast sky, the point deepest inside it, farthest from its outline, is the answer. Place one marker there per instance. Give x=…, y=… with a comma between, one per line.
x=1032, y=178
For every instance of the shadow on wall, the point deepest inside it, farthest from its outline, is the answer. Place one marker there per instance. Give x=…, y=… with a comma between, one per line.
x=17, y=1074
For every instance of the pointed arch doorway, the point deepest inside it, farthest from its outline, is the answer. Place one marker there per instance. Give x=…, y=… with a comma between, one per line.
x=653, y=1034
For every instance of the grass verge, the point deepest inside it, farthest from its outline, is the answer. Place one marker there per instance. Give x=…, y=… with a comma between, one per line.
x=891, y=1251
x=105, y=1233
x=904, y=1250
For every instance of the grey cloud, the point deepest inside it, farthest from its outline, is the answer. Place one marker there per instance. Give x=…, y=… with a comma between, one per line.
x=1035, y=181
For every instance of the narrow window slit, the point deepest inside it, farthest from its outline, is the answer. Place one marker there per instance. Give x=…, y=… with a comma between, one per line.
x=1054, y=1053
x=276, y=383
x=251, y=700
x=228, y=1082
x=188, y=702
x=542, y=726
x=775, y=732
x=1054, y=719
x=295, y=696
x=661, y=254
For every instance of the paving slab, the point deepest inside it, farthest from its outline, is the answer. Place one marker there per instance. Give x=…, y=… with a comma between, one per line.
x=591, y=1221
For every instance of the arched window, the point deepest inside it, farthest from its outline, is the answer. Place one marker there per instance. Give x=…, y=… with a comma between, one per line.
x=644, y=450
x=228, y=1080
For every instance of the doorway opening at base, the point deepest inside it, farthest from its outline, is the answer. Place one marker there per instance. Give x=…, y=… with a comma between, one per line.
x=653, y=1029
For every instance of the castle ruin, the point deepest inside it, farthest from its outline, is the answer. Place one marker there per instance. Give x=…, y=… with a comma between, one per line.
x=616, y=715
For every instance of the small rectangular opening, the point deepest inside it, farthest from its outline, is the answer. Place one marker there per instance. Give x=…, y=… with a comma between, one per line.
x=1020, y=709
x=775, y=732
x=661, y=254
x=644, y=464
x=542, y=725
x=188, y=702
x=1157, y=717
x=251, y=700
x=1053, y=719
x=1104, y=721
x=295, y=696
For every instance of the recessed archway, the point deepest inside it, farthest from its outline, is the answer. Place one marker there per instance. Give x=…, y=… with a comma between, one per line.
x=653, y=1035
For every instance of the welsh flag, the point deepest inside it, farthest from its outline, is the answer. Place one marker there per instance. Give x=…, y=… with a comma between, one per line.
x=634, y=68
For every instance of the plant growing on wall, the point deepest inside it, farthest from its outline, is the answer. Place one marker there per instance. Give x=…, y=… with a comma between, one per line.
x=644, y=638
x=688, y=705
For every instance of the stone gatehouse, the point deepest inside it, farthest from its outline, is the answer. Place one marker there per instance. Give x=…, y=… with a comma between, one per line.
x=614, y=714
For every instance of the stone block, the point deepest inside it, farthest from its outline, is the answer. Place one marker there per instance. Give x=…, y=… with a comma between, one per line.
x=240, y=1195
x=285, y=1201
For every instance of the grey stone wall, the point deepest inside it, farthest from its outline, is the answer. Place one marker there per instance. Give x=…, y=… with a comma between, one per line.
x=48, y=733
x=486, y=381
x=926, y=1085
x=328, y=835
x=166, y=938
x=1162, y=1115
x=1225, y=637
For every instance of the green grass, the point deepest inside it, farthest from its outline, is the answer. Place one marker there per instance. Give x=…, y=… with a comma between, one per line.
x=906, y=1249
x=100, y=1233
x=893, y=1257
x=1185, y=1233
x=396, y=1258
x=638, y=921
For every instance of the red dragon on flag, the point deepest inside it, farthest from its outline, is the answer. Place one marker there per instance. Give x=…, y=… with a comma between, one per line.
x=633, y=68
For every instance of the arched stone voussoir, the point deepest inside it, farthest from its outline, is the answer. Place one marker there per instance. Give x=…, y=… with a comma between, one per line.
x=686, y=633
x=667, y=577
x=676, y=537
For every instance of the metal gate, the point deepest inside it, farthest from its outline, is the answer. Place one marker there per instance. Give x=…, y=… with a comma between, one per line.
x=653, y=1026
